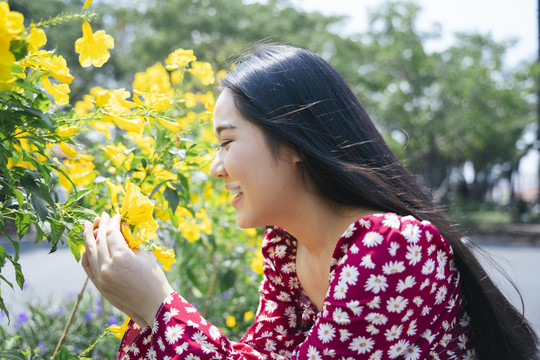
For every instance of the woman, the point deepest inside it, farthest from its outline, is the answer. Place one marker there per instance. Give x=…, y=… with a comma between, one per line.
x=358, y=263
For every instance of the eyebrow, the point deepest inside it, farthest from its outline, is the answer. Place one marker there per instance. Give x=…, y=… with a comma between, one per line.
x=220, y=128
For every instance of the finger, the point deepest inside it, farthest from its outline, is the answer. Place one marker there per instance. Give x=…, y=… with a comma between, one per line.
x=86, y=265
x=103, y=254
x=117, y=241
x=96, y=222
x=90, y=253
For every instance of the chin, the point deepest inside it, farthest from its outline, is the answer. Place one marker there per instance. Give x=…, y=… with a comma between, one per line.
x=247, y=223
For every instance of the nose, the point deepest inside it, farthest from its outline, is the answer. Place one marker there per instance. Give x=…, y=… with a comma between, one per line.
x=217, y=169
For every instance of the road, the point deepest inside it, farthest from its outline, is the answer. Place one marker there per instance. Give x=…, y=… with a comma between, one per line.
x=58, y=274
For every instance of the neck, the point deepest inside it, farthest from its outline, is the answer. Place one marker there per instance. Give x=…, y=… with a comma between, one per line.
x=318, y=224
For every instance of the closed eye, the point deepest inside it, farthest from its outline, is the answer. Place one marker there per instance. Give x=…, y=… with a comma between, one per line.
x=224, y=144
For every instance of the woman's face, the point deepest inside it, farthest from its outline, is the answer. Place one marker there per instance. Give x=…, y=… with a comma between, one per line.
x=264, y=188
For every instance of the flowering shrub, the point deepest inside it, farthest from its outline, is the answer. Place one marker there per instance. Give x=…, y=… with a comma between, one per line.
x=145, y=156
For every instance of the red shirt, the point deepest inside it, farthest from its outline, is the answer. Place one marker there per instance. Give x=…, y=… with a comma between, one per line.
x=394, y=293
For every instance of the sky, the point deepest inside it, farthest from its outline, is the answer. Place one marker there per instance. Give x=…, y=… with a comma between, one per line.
x=504, y=19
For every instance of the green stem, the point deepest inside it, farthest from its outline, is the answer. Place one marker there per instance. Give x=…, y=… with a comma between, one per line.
x=91, y=347
x=70, y=320
x=63, y=18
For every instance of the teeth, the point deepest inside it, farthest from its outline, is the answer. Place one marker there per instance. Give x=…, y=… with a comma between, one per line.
x=236, y=191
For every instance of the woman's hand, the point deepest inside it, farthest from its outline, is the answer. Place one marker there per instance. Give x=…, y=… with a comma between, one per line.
x=130, y=279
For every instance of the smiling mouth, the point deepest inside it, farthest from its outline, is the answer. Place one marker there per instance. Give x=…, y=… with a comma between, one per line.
x=236, y=191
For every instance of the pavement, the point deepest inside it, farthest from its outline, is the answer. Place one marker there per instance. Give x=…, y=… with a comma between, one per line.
x=56, y=275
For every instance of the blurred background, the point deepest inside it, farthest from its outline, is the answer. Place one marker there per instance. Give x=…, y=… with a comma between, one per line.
x=452, y=86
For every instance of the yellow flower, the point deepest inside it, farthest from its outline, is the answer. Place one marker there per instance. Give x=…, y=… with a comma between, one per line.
x=117, y=154
x=165, y=256
x=135, y=124
x=155, y=79
x=203, y=71
x=7, y=59
x=190, y=99
x=231, y=321
x=119, y=330
x=102, y=127
x=257, y=262
x=136, y=211
x=55, y=64
x=179, y=58
x=222, y=74
x=171, y=126
x=153, y=100
x=67, y=150
x=251, y=232
x=93, y=48
x=80, y=171
x=11, y=22
x=248, y=315
x=66, y=131
x=144, y=142
x=177, y=76
x=36, y=39
x=87, y=4
x=58, y=91
x=207, y=100
x=82, y=107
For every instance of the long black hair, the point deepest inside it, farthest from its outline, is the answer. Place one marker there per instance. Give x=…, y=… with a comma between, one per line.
x=301, y=101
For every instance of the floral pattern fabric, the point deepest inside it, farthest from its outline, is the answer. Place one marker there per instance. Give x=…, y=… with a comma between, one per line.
x=394, y=293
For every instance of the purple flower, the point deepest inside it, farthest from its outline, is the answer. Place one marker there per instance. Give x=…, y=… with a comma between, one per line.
x=25, y=286
x=2, y=314
x=61, y=311
x=42, y=348
x=227, y=294
x=113, y=320
x=88, y=315
x=22, y=317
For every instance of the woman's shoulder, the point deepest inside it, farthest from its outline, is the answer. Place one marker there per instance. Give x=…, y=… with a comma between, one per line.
x=389, y=230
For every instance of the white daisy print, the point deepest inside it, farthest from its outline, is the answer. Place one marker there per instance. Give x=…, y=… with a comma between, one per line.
x=377, y=318
x=170, y=314
x=350, y=230
x=392, y=249
x=173, y=333
x=161, y=344
x=180, y=349
x=431, y=249
x=354, y=306
x=411, y=330
x=372, y=239
x=393, y=267
x=270, y=306
x=329, y=352
x=376, y=283
x=344, y=335
x=354, y=249
x=393, y=333
x=442, y=258
x=340, y=291
x=151, y=354
x=412, y=233
x=361, y=344
x=396, y=304
x=280, y=251
x=349, y=274
x=270, y=345
x=412, y=352
x=377, y=355
x=326, y=333
x=372, y=329
x=365, y=223
x=192, y=357
x=398, y=348
x=288, y=268
x=367, y=262
x=391, y=221
x=214, y=332
x=428, y=267
x=441, y=295
x=429, y=236
x=313, y=353
x=414, y=254
x=375, y=303
x=428, y=335
x=406, y=283
x=341, y=317
x=407, y=315
x=426, y=310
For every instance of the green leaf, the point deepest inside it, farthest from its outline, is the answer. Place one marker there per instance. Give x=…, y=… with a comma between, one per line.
x=19, y=196
x=39, y=205
x=19, y=48
x=227, y=280
x=2, y=257
x=22, y=222
x=11, y=354
x=3, y=308
x=74, y=247
x=1, y=222
x=172, y=198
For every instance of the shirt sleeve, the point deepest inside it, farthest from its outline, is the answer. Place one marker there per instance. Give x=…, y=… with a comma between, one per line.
x=180, y=332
